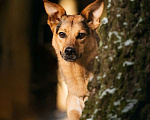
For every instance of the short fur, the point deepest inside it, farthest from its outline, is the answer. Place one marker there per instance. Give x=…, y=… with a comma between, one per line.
x=78, y=32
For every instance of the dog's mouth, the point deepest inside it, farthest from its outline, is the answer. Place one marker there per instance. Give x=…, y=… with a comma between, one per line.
x=70, y=58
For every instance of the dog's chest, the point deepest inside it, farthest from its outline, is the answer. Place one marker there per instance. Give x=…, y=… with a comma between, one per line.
x=75, y=72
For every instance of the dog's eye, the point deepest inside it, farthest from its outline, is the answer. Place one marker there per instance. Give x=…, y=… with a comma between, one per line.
x=62, y=35
x=80, y=36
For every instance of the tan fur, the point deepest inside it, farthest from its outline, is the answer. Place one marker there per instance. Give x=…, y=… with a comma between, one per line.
x=77, y=73
x=73, y=115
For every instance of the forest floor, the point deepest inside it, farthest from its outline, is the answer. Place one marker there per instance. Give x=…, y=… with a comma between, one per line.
x=58, y=115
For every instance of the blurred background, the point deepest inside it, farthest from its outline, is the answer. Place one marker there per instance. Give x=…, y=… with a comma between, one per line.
x=29, y=88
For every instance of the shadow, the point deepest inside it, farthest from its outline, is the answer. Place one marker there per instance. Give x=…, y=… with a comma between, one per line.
x=28, y=64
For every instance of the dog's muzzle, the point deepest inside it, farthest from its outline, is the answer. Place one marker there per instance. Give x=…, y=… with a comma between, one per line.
x=69, y=54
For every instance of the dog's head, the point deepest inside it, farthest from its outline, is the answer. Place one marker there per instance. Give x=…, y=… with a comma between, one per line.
x=71, y=33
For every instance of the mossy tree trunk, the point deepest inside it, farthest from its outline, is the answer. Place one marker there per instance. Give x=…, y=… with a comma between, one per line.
x=122, y=68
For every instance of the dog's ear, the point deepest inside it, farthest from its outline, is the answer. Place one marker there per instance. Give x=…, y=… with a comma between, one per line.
x=55, y=12
x=93, y=12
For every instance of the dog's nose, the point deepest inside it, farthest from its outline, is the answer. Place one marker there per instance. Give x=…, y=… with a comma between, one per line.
x=70, y=51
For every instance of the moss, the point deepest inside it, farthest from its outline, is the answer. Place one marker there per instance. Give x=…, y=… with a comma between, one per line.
x=133, y=83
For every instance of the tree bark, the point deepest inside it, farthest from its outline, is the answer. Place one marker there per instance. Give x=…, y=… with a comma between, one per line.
x=122, y=68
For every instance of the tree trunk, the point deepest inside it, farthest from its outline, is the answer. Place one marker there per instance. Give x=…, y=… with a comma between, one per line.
x=120, y=87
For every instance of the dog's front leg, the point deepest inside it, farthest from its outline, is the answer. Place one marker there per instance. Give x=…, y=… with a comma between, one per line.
x=75, y=106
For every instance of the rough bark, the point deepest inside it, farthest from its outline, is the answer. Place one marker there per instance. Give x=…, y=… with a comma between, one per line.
x=122, y=69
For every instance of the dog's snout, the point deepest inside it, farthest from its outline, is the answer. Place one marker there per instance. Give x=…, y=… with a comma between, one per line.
x=70, y=51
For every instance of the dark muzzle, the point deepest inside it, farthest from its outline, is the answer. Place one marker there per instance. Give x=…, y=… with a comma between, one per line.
x=69, y=54
x=70, y=51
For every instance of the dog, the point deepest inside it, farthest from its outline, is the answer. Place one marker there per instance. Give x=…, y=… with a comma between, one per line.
x=76, y=44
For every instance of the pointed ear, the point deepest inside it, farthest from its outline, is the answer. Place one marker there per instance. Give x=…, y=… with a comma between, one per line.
x=55, y=12
x=93, y=12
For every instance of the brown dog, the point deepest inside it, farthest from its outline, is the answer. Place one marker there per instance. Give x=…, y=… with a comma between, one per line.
x=75, y=42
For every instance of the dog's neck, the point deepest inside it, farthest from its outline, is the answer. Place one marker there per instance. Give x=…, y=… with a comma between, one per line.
x=76, y=74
